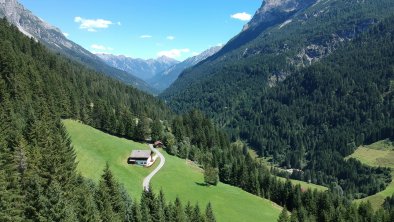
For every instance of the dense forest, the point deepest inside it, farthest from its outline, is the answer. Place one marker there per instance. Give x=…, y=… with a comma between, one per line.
x=320, y=114
x=195, y=137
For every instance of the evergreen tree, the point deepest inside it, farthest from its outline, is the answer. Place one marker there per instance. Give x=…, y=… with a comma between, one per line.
x=179, y=212
x=283, y=216
x=210, y=217
x=55, y=205
x=157, y=130
x=137, y=216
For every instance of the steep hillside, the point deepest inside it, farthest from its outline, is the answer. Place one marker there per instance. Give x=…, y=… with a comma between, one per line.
x=52, y=37
x=143, y=69
x=317, y=115
x=282, y=37
x=164, y=79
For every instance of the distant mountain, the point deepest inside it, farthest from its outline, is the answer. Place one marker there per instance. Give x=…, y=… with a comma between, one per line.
x=52, y=37
x=143, y=69
x=164, y=79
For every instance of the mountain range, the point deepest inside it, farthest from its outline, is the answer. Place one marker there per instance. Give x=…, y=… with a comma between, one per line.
x=52, y=37
x=160, y=73
x=143, y=69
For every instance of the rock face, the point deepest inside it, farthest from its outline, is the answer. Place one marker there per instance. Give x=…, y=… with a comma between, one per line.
x=271, y=13
x=164, y=79
x=143, y=69
x=273, y=10
x=52, y=37
x=32, y=26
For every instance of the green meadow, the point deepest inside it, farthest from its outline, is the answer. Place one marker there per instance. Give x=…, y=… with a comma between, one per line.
x=380, y=153
x=178, y=177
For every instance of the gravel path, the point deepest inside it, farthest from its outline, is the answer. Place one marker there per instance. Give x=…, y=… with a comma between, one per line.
x=145, y=183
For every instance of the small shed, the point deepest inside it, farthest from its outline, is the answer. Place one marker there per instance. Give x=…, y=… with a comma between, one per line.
x=158, y=144
x=140, y=157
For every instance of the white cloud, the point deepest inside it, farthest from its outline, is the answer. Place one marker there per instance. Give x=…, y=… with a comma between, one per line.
x=173, y=53
x=243, y=16
x=170, y=37
x=146, y=36
x=119, y=23
x=195, y=53
x=66, y=34
x=92, y=24
x=101, y=47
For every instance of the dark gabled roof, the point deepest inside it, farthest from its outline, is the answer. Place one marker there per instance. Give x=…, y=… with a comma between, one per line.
x=145, y=154
x=158, y=143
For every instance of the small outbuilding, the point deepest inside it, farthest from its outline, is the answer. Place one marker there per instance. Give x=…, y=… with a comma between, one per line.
x=158, y=144
x=141, y=157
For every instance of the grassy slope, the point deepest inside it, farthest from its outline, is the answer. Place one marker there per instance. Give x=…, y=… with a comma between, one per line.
x=377, y=154
x=306, y=185
x=94, y=148
x=177, y=178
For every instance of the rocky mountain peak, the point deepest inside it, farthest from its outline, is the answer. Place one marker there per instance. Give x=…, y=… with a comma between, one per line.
x=165, y=59
x=272, y=9
x=21, y=17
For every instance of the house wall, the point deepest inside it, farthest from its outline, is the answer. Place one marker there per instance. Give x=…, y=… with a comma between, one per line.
x=143, y=162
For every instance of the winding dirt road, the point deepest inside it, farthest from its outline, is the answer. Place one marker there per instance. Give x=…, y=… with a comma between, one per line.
x=145, y=183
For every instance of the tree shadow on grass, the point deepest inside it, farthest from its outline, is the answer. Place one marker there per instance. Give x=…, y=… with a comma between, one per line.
x=201, y=184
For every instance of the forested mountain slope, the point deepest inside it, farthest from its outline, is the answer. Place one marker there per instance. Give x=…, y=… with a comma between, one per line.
x=322, y=113
x=319, y=114
x=282, y=37
x=52, y=37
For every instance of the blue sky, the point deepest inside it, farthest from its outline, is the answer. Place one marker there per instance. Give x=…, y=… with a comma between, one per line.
x=146, y=28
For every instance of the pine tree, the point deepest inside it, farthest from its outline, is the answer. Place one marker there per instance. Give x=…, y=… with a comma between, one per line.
x=137, y=216
x=210, y=217
x=157, y=130
x=85, y=205
x=188, y=211
x=56, y=208
x=283, y=216
x=109, y=201
x=196, y=217
x=179, y=212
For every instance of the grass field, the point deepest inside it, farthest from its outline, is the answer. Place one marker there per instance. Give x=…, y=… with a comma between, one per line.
x=306, y=185
x=94, y=148
x=177, y=178
x=380, y=153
